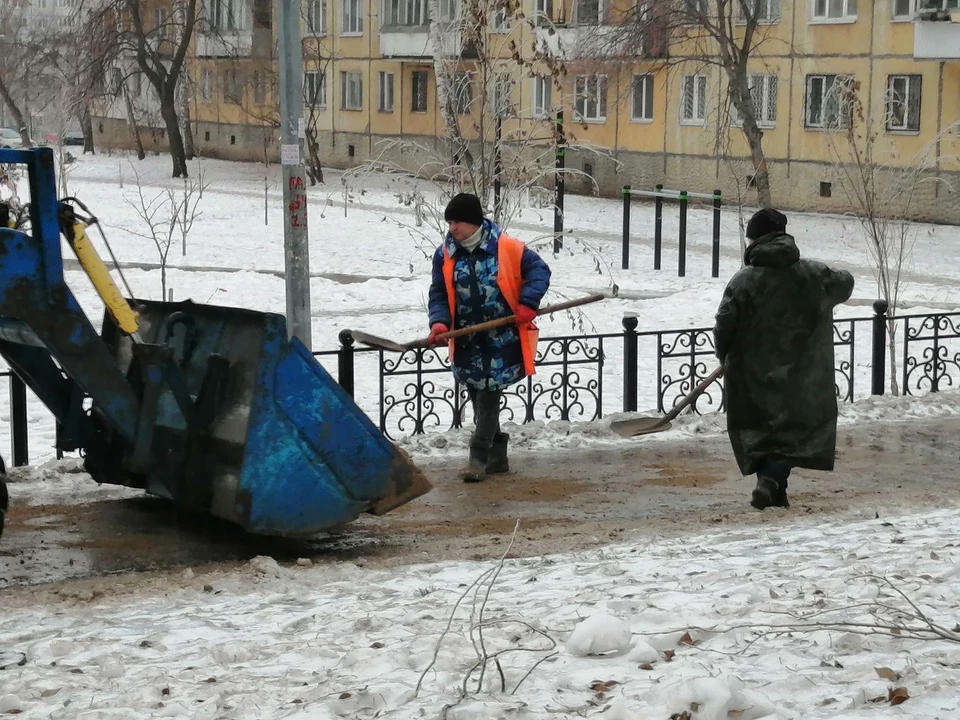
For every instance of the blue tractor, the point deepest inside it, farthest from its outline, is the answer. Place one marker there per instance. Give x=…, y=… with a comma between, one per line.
x=214, y=408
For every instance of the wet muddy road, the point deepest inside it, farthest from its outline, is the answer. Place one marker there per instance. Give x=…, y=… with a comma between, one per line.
x=569, y=500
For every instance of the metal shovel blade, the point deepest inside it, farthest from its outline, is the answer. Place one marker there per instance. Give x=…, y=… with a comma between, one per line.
x=640, y=426
x=378, y=342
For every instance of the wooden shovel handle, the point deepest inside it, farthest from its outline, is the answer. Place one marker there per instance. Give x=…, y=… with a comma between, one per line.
x=694, y=394
x=510, y=319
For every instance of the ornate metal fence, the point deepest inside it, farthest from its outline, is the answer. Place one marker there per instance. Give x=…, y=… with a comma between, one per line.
x=584, y=377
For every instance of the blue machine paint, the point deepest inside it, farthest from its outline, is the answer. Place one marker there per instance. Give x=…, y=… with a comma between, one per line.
x=215, y=409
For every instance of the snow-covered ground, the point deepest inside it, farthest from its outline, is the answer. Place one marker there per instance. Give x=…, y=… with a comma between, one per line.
x=371, y=266
x=798, y=619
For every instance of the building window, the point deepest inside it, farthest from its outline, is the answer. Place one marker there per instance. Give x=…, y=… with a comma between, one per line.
x=230, y=15
x=503, y=95
x=232, y=87
x=695, y=11
x=590, y=97
x=903, y=9
x=544, y=13
x=116, y=81
x=418, y=91
x=834, y=9
x=763, y=98
x=385, y=92
x=462, y=93
x=351, y=91
x=315, y=89
x=259, y=89
x=693, y=100
x=641, y=101
x=449, y=10
x=317, y=17
x=542, y=96
x=160, y=20
x=206, y=86
x=500, y=20
x=352, y=17
x=405, y=13
x=940, y=5
x=759, y=11
x=828, y=102
x=587, y=12
x=903, y=103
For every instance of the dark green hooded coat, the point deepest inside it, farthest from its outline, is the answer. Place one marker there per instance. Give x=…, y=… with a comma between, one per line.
x=774, y=336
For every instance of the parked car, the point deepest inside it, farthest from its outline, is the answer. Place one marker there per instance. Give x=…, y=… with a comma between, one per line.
x=10, y=139
x=72, y=137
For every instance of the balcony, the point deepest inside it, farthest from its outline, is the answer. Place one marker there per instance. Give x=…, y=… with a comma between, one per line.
x=937, y=39
x=405, y=42
x=225, y=44
x=581, y=42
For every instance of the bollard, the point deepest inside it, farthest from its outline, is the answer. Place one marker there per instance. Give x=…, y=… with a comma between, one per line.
x=878, y=366
x=716, y=233
x=630, y=363
x=657, y=228
x=625, y=261
x=682, y=260
x=345, y=368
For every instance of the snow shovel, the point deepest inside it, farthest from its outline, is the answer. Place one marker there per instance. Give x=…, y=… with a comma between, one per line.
x=648, y=425
x=393, y=346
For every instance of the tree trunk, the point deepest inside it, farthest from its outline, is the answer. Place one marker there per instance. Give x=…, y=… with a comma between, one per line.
x=134, y=127
x=86, y=126
x=314, y=167
x=761, y=177
x=188, y=144
x=168, y=111
x=16, y=113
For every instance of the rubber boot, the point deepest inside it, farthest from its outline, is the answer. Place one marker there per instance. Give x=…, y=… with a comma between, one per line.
x=476, y=470
x=498, y=462
x=769, y=493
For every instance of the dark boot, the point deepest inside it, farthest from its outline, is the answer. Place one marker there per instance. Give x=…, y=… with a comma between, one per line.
x=476, y=470
x=769, y=493
x=498, y=462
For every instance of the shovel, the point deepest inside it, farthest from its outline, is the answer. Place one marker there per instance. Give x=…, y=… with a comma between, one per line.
x=393, y=346
x=648, y=425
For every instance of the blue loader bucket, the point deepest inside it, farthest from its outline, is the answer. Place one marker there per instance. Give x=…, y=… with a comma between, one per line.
x=275, y=445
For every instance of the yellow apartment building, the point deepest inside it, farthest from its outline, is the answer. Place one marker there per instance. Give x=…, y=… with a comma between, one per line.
x=370, y=76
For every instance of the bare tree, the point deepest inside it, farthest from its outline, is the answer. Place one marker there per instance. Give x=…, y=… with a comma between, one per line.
x=881, y=189
x=24, y=64
x=727, y=34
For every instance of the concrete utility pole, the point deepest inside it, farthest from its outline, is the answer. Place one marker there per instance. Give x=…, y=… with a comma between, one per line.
x=296, y=244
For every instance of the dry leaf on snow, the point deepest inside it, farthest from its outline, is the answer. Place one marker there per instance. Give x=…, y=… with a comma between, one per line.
x=603, y=687
x=888, y=674
x=898, y=695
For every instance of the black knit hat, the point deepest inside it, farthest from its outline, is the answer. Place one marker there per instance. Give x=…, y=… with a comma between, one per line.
x=464, y=208
x=764, y=222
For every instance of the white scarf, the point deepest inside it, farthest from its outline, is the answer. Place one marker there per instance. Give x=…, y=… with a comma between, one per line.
x=472, y=242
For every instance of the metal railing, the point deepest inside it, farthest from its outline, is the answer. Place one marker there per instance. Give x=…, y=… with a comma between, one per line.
x=584, y=377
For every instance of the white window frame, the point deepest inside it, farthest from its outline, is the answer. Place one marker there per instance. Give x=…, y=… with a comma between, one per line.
x=160, y=15
x=315, y=89
x=316, y=18
x=405, y=13
x=587, y=90
x=577, y=12
x=351, y=90
x=820, y=11
x=903, y=17
x=385, y=90
x=206, y=85
x=351, y=18
x=232, y=86
x=462, y=89
x=227, y=16
x=647, y=99
x=697, y=86
x=449, y=11
x=503, y=87
x=766, y=111
x=911, y=81
x=827, y=83
x=544, y=12
x=942, y=5
x=500, y=20
x=542, y=96
x=772, y=11
x=259, y=88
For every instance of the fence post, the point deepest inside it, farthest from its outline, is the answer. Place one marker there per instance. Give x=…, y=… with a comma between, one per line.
x=625, y=262
x=345, y=373
x=682, y=266
x=18, y=412
x=559, y=188
x=716, y=233
x=878, y=365
x=657, y=227
x=630, y=363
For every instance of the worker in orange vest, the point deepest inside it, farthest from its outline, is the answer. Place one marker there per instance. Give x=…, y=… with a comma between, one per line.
x=481, y=274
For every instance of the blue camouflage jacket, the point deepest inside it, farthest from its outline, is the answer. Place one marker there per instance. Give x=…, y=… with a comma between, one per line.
x=490, y=360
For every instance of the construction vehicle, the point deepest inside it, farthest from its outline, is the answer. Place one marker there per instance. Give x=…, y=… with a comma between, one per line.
x=211, y=407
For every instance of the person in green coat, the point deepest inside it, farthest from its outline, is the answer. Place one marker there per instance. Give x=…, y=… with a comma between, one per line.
x=774, y=337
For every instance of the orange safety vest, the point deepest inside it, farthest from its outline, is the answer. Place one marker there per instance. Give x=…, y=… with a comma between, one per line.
x=510, y=282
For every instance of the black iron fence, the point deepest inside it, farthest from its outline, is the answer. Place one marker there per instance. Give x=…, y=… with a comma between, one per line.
x=584, y=377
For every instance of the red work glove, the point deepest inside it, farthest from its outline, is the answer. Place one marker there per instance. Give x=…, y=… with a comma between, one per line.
x=524, y=315
x=436, y=330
